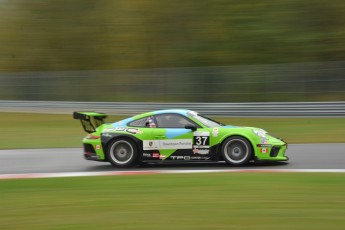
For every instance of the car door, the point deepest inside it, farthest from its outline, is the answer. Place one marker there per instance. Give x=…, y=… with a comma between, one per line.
x=176, y=142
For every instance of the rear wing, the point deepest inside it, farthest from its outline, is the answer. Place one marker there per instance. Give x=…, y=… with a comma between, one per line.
x=90, y=120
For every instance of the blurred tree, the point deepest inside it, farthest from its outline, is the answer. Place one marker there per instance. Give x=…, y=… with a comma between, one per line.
x=55, y=35
x=106, y=34
x=76, y=35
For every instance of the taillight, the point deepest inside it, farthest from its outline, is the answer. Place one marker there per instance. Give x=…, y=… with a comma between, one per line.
x=90, y=136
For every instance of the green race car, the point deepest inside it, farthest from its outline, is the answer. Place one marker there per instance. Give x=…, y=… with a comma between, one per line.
x=175, y=136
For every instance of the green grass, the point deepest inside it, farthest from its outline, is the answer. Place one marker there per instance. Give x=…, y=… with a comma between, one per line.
x=30, y=130
x=298, y=130
x=176, y=201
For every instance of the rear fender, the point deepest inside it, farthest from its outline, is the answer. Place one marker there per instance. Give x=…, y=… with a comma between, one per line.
x=107, y=138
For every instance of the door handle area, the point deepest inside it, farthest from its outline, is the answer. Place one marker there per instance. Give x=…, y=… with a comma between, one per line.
x=160, y=136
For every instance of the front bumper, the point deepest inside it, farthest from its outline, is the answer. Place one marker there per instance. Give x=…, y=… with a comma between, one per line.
x=271, y=149
x=274, y=153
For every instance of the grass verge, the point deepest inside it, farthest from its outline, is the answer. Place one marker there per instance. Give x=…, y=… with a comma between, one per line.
x=30, y=130
x=176, y=201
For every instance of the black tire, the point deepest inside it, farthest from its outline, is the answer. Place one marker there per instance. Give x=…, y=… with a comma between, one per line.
x=122, y=153
x=237, y=151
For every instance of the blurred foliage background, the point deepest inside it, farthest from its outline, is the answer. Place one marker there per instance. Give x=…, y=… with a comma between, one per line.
x=154, y=50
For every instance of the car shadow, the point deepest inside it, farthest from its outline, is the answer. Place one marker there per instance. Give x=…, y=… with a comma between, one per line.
x=267, y=163
x=188, y=166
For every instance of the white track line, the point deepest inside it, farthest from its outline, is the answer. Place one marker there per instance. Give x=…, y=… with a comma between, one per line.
x=117, y=173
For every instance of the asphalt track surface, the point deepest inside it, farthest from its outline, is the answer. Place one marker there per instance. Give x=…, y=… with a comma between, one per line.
x=302, y=156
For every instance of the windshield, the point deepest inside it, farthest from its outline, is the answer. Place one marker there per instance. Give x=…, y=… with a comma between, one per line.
x=208, y=122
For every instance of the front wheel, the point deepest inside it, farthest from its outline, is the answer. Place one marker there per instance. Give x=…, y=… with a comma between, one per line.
x=122, y=153
x=237, y=151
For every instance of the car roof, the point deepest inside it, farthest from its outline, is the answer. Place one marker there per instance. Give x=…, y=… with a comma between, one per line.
x=178, y=111
x=183, y=112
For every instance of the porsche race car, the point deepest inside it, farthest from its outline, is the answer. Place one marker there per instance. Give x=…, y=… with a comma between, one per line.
x=175, y=136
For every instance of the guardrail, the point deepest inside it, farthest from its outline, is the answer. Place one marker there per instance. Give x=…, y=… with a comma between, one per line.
x=257, y=109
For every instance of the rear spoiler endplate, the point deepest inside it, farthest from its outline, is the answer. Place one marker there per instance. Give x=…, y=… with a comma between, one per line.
x=90, y=120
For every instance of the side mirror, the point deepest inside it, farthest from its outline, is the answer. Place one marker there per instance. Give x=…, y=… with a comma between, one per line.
x=192, y=127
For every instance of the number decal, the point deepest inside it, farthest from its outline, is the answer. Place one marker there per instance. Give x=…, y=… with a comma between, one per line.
x=201, y=143
x=201, y=139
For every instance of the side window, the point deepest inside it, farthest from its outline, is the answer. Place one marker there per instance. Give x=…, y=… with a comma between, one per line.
x=143, y=122
x=172, y=121
x=139, y=123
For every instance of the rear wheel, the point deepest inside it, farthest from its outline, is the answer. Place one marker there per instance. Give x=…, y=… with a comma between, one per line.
x=122, y=153
x=237, y=151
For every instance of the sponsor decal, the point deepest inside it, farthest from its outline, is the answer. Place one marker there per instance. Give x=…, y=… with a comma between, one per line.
x=264, y=145
x=264, y=141
x=200, y=151
x=134, y=131
x=189, y=158
x=195, y=150
x=215, y=132
x=120, y=129
x=203, y=151
x=150, y=145
x=201, y=133
x=167, y=144
x=98, y=147
x=155, y=155
x=176, y=144
x=146, y=154
x=263, y=150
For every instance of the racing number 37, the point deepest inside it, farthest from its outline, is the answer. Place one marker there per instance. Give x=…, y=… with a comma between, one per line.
x=201, y=139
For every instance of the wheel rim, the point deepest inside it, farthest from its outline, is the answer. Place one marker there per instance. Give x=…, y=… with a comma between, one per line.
x=236, y=151
x=121, y=152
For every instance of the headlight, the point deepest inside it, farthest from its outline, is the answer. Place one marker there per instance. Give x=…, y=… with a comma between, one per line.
x=260, y=132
